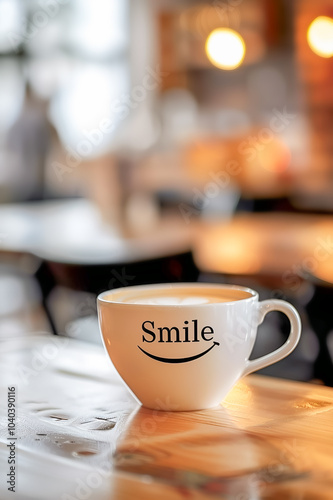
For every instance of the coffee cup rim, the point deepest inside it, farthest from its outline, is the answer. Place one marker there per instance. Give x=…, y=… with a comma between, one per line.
x=253, y=294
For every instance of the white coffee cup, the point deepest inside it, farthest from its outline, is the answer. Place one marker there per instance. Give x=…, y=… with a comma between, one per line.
x=184, y=346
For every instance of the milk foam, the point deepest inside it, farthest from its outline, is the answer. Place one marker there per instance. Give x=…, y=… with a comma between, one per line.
x=171, y=300
x=180, y=299
x=177, y=296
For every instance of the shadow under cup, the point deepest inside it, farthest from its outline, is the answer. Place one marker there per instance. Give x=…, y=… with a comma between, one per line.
x=183, y=346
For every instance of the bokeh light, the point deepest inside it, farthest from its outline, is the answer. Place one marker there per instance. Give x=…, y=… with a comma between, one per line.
x=320, y=36
x=274, y=156
x=225, y=48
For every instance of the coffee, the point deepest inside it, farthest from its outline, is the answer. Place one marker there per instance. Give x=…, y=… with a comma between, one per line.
x=181, y=296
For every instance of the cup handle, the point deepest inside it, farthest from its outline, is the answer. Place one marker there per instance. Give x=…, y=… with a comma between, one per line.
x=265, y=307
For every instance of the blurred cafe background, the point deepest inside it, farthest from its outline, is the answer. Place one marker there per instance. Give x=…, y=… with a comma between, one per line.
x=148, y=141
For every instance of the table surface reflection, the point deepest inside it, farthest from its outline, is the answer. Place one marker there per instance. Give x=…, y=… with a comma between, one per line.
x=81, y=435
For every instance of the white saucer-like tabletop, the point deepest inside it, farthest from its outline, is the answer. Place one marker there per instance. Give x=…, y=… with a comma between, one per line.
x=73, y=232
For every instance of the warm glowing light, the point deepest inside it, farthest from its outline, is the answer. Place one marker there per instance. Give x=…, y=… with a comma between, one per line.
x=225, y=48
x=274, y=156
x=320, y=36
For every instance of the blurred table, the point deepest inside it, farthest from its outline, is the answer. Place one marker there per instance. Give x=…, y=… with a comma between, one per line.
x=73, y=231
x=276, y=245
x=80, y=434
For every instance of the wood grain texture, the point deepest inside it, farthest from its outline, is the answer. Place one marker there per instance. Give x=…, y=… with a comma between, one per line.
x=81, y=434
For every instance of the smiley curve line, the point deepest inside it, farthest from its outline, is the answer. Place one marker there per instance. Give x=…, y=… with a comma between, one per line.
x=178, y=360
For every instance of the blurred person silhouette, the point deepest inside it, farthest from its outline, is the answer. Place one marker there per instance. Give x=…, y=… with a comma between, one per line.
x=27, y=145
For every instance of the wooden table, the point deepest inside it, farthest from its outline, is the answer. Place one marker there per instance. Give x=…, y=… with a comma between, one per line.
x=262, y=244
x=81, y=435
